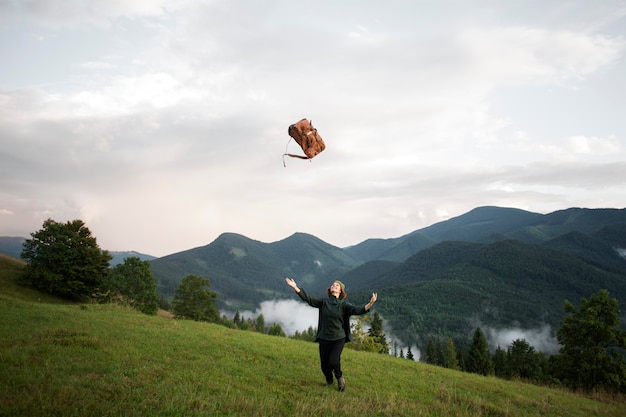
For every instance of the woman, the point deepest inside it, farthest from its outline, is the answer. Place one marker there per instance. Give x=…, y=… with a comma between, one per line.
x=333, y=326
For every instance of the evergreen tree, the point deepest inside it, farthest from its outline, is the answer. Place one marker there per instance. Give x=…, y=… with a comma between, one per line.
x=462, y=355
x=259, y=324
x=439, y=345
x=449, y=355
x=522, y=360
x=237, y=319
x=133, y=280
x=592, y=352
x=377, y=334
x=479, y=360
x=194, y=300
x=64, y=259
x=431, y=352
x=409, y=354
x=361, y=339
x=500, y=362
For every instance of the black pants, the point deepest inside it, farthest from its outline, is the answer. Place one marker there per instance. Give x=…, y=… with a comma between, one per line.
x=330, y=358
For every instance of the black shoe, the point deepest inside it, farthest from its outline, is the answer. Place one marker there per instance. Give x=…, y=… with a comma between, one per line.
x=341, y=383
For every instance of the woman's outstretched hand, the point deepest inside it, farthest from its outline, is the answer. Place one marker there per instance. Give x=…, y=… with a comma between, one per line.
x=372, y=301
x=292, y=284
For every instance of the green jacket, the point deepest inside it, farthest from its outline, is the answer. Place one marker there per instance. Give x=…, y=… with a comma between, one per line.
x=333, y=321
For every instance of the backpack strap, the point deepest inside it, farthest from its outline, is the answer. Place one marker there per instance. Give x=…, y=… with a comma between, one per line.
x=292, y=155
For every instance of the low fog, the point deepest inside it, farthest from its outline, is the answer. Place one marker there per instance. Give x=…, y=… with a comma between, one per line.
x=542, y=338
x=293, y=315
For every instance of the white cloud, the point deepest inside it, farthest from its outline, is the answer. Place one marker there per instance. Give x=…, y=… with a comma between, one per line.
x=595, y=145
x=176, y=113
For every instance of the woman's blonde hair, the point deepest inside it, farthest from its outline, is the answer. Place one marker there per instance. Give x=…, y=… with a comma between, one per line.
x=342, y=293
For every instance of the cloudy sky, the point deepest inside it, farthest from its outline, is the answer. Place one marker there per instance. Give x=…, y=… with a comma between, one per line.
x=162, y=124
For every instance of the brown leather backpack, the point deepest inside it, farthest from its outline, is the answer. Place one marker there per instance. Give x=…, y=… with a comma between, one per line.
x=307, y=137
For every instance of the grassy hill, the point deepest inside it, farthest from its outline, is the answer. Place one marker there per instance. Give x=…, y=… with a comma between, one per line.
x=60, y=359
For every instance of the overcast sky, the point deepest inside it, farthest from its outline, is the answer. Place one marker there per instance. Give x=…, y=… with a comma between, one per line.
x=162, y=124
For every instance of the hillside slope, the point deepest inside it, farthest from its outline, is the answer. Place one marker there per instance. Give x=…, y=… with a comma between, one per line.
x=105, y=360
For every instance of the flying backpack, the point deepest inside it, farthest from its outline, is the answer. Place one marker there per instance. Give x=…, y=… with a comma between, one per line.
x=307, y=137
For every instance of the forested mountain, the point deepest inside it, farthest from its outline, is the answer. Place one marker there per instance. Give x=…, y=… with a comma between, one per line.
x=451, y=286
x=245, y=272
x=493, y=266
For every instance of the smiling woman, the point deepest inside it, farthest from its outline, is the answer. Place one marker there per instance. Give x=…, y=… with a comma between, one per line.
x=333, y=326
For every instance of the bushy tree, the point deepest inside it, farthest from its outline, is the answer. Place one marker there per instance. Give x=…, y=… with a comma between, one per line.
x=592, y=352
x=194, y=300
x=361, y=339
x=308, y=335
x=64, y=259
x=276, y=330
x=133, y=280
x=478, y=360
x=522, y=360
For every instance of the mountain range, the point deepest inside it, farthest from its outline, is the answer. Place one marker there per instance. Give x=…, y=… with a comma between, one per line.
x=493, y=266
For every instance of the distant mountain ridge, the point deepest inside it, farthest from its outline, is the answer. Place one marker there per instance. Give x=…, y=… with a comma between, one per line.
x=119, y=256
x=13, y=246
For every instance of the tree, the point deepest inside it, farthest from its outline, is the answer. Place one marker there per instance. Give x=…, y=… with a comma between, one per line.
x=501, y=363
x=361, y=339
x=479, y=360
x=462, y=355
x=523, y=360
x=276, y=330
x=194, y=300
x=377, y=333
x=133, y=279
x=449, y=355
x=259, y=323
x=237, y=319
x=308, y=335
x=592, y=352
x=433, y=351
x=64, y=259
x=409, y=354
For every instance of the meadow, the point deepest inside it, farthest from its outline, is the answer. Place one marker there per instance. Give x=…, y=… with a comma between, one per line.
x=67, y=359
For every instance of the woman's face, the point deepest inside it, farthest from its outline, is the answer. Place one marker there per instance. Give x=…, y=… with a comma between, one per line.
x=335, y=288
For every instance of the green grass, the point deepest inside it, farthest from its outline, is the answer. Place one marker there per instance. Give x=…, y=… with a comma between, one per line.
x=60, y=359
